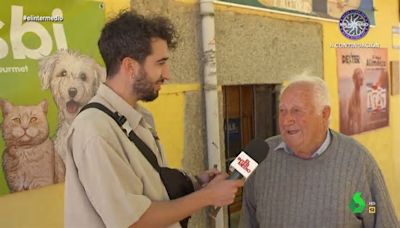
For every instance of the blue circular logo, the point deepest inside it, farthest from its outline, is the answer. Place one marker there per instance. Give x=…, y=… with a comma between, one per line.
x=354, y=24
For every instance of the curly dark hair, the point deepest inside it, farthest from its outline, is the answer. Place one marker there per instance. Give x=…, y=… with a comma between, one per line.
x=129, y=35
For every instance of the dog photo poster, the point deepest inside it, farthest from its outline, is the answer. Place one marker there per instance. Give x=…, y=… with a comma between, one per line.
x=50, y=66
x=363, y=89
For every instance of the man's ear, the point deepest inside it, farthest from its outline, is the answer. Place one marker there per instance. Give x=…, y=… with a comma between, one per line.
x=326, y=112
x=130, y=66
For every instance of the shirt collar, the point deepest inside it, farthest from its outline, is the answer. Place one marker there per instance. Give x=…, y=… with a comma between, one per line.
x=133, y=116
x=316, y=154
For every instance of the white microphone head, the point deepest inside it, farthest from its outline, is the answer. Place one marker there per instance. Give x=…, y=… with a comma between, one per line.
x=253, y=154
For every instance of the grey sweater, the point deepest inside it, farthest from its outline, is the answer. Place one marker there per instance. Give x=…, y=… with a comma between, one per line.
x=288, y=192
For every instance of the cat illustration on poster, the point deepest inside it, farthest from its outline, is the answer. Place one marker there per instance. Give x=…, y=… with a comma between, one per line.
x=29, y=159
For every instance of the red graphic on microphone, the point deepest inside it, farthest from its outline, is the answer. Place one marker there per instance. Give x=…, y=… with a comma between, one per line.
x=244, y=164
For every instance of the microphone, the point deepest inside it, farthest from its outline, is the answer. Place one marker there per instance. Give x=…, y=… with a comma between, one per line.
x=246, y=162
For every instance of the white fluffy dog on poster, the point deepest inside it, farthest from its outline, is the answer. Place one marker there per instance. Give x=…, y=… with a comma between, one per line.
x=73, y=79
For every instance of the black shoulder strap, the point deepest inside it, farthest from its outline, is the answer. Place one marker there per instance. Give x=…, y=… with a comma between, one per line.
x=144, y=148
x=120, y=119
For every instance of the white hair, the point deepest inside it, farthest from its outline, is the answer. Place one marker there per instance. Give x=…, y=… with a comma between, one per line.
x=320, y=90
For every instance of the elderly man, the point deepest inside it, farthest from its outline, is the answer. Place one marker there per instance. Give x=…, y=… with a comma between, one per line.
x=314, y=176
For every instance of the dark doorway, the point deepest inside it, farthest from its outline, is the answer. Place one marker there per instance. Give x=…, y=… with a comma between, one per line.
x=250, y=111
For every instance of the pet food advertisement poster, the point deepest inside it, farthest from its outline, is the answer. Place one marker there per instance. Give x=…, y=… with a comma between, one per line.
x=49, y=66
x=331, y=9
x=363, y=89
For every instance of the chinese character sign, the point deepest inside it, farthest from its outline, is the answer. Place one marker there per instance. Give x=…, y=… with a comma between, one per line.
x=363, y=89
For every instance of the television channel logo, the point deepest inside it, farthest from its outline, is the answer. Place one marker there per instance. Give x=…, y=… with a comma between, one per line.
x=354, y=24
x=357, y=204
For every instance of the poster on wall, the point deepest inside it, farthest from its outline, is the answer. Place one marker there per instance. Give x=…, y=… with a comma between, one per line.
x=49, y=68
x=233, y=136
x=363, y=89
x=331, y=9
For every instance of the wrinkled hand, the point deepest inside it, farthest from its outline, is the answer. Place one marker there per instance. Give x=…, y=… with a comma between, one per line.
x=222, y=191
x=204, y=178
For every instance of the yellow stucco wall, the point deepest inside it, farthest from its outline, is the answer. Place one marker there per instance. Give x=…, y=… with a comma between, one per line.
x=112, y=7
x=168, y=110
x=42, y=208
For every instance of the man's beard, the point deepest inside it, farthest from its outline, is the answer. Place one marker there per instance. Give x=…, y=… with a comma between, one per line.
x=143, y=88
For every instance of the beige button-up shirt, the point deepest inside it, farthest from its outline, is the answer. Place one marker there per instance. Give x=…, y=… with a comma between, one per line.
x=109, y=183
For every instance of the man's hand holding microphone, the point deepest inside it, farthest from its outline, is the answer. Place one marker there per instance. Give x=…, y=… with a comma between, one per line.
x=221, y=188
